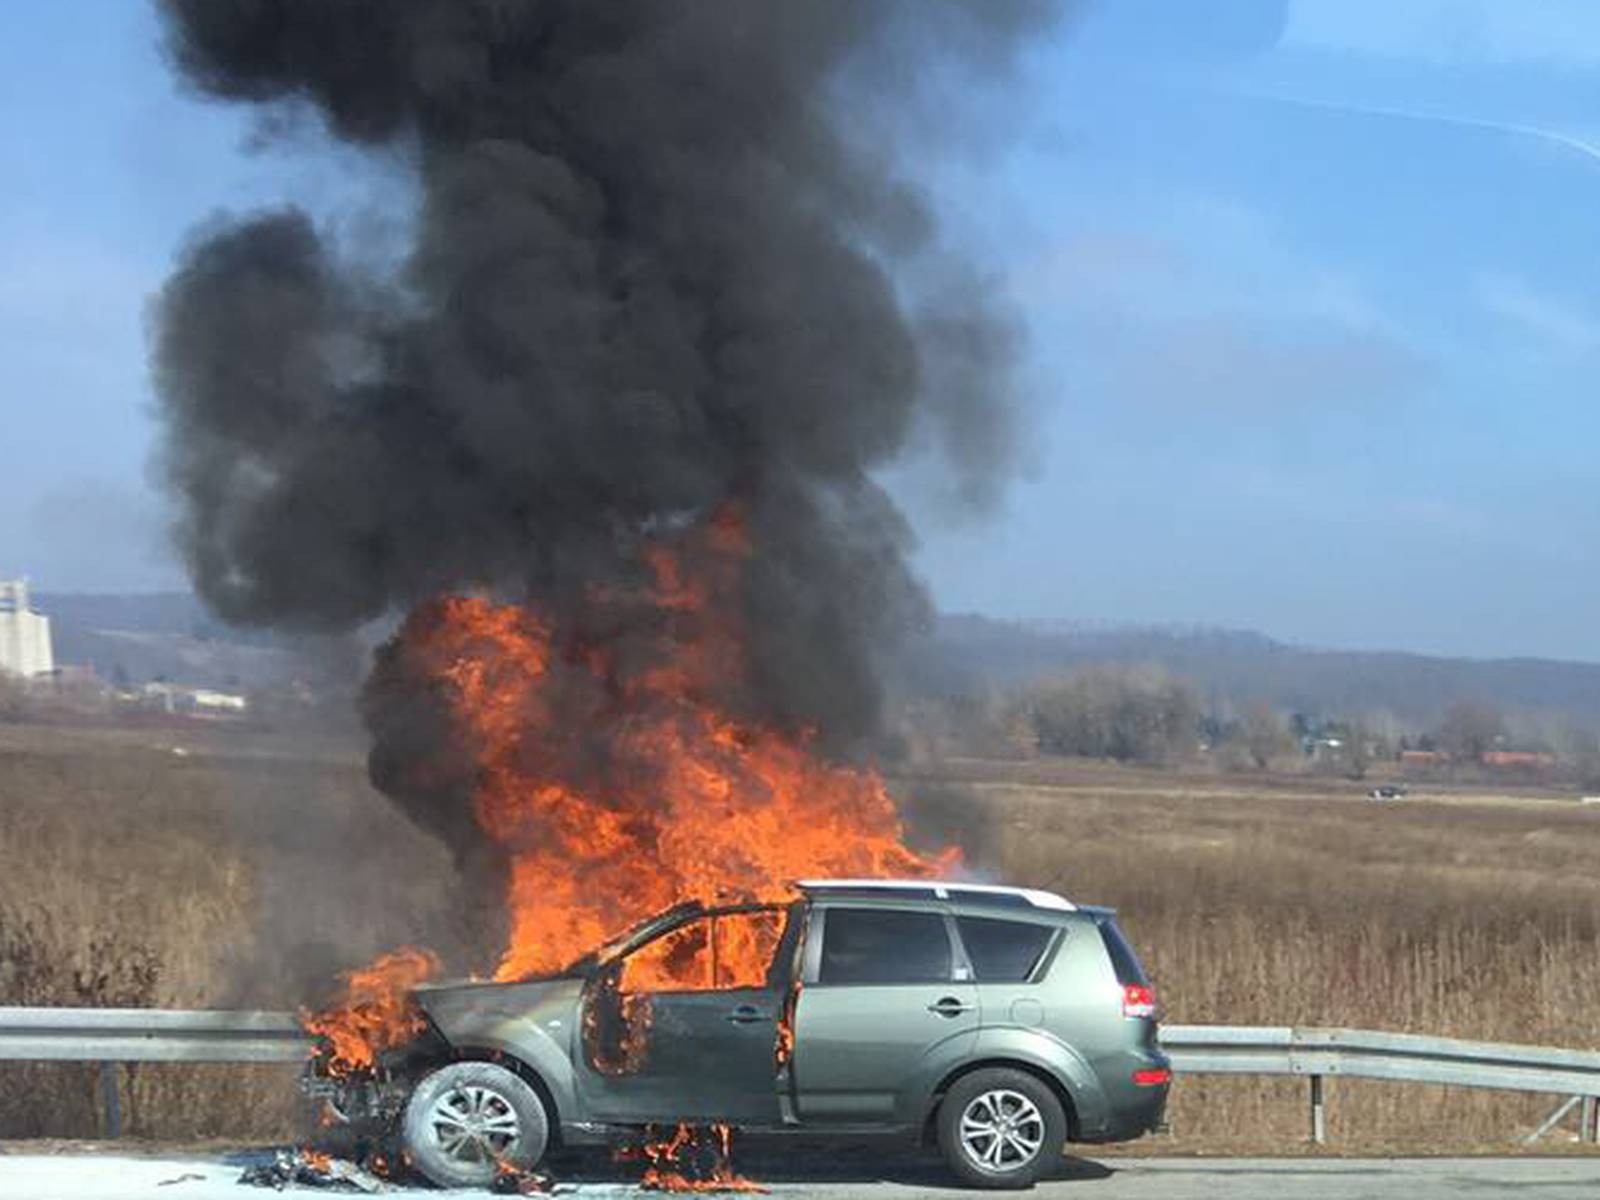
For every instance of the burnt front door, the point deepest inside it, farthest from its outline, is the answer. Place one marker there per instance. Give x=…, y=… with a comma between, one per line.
x=685, y=1027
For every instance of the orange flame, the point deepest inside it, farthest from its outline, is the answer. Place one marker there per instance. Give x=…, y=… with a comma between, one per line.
x=783, y=1050
x=618, y=786
x=374, y=1013
x=694, y=1160
x=316, y=1160
x=690, y=803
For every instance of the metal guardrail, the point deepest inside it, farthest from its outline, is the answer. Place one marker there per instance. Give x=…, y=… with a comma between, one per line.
x=111, y=1036
x=150, y=1035
x=1318, y=1054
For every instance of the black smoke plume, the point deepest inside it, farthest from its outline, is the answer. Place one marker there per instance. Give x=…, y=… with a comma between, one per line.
x=663, y=262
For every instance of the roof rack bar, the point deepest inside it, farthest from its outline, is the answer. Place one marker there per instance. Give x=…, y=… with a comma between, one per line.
x=943, y=889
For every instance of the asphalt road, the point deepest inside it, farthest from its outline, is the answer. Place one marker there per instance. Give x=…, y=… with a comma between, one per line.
x=118, y=1177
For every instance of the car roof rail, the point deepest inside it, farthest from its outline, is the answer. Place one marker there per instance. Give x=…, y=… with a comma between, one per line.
x=939, y=889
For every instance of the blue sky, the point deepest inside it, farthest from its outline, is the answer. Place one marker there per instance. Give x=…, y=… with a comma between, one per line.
x=1310, y=285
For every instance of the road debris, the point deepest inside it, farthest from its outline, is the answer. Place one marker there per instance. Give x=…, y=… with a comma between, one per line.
x=692, y=1159
x=312, y=1168
x=513, y=1181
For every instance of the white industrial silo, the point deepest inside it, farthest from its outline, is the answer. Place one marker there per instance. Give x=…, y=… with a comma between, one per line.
x=24, y=634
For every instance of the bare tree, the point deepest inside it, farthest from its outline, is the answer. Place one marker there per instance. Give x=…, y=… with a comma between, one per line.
x=1265, y=735
x=1130, y=715
x=1469, y=729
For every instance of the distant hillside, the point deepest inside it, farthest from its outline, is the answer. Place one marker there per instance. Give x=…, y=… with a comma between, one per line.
x=148, y=612
x=172, y=636
x=164, y=635
x=1246, y=668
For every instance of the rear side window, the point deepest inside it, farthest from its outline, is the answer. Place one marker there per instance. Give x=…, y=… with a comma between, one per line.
x=1002, y=951
x=876, y=945
x=1123, y=960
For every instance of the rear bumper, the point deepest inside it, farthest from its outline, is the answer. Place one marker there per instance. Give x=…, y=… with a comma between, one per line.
x=1133, y=1118
x=1132, y=1109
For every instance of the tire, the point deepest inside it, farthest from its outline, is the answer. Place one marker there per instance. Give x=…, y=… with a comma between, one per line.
x=1029, y=1128
x=493, y=1114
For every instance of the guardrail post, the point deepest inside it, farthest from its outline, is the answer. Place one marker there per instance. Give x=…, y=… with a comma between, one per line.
x=1589, y=1124
x=1319, y=1123
x=111, y=1099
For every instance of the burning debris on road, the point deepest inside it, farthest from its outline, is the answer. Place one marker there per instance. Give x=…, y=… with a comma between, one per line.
x=314, y=1169
x=516, y=1181
x=306, y=1167
x=690, y=1160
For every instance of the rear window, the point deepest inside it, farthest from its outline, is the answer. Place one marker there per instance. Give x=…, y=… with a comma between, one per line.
x=1123, y=960
x=1003, y=951
x=877, y=945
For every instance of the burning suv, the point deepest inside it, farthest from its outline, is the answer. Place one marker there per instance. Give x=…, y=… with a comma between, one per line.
x=999, y=1023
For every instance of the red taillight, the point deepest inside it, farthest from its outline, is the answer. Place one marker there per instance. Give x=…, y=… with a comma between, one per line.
x=1152, y=1077
x=1138, y=1001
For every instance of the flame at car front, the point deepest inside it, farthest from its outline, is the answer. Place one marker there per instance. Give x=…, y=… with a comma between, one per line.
x=377, y=1013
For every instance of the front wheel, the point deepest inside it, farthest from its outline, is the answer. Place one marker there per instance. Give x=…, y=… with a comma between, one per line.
x=465, y=1120
x=1001, y=1128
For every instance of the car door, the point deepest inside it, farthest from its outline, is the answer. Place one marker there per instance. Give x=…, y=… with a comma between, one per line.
x=676, y=1032
x=882, y=1004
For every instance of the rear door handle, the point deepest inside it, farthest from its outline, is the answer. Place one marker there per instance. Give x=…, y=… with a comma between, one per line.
x=747, y=1014
x=949, y=1006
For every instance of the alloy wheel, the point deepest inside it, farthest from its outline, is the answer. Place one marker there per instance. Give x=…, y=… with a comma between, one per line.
x=1001, y=1130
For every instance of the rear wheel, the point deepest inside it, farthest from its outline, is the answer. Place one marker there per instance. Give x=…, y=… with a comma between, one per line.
x=1001, y=1128
x=465, y=1120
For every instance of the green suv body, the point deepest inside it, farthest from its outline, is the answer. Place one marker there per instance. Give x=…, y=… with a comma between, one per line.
x=999, y=1022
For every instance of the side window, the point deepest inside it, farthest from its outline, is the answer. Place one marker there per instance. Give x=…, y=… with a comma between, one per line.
x=876, y=945
x=1003, y=951
x=711, y=954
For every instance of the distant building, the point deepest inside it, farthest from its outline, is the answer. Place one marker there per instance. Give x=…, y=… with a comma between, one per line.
x=24, y=634
x=207, y=700
x=193, y=701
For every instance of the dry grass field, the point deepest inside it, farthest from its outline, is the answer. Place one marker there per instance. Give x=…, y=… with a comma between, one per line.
x=245, y=871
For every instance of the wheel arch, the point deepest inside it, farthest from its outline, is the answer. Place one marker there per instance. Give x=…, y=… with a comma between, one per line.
x=1050, y=1079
